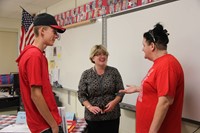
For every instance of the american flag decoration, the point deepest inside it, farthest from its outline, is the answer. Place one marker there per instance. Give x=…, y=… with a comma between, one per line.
x=27, y=35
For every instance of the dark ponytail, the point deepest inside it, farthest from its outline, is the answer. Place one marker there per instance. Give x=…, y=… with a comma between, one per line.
x=158, y=35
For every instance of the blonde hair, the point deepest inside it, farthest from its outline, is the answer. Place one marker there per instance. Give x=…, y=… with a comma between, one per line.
x=36, y=30
x=98, y=49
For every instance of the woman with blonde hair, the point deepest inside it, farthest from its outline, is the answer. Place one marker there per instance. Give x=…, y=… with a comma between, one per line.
x=98, y=92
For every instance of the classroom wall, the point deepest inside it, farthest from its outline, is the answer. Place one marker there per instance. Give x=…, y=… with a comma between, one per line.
x=9, y=29
x=8, y=51
x=9, y=24
x=70, y=100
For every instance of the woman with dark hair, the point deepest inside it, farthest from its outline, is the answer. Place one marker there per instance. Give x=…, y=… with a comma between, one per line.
x=160, y=100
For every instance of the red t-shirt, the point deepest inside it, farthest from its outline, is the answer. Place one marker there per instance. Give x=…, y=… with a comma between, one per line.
x=165, y=78
x=33, y=70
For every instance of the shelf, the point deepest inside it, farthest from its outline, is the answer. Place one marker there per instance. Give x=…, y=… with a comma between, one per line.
x=6, y=85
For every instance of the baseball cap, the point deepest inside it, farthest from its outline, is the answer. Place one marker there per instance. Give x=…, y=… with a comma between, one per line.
x=45, y=19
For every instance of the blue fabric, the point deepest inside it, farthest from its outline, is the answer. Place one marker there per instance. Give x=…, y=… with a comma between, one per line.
x=6, y=79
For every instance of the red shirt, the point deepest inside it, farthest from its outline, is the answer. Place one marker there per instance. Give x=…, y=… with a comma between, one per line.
x=33, y=70
x=165, y=78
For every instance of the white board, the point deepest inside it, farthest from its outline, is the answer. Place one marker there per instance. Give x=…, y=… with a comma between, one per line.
x=124, y=42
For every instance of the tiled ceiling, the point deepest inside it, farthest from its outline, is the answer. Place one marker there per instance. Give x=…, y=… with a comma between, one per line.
x=12, y=8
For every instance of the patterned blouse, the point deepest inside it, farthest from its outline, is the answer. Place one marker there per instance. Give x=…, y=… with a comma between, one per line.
x=99, y=90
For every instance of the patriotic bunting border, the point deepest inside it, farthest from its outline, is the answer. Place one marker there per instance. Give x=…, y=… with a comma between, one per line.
x=96, y=9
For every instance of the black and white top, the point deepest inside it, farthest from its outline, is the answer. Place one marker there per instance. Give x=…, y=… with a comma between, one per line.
x=99, y=90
